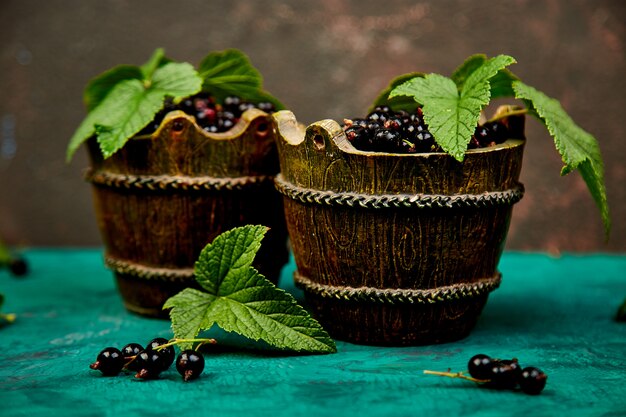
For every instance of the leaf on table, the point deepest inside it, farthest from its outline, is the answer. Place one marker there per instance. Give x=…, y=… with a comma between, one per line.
x=452, y=114
x=230, y=72
x=239, y=299
x=578, y=149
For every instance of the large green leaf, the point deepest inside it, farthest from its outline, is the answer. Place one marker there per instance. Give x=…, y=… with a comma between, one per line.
x=231, y=251
x=500, y=83
x=105, y=114
x=132, y=104
x=230, y=72
x=452, y=114
x=239, y=299
x=578, y=149
x=103, y=84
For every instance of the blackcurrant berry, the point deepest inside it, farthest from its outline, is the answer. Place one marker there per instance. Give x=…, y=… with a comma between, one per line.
x=109, y=361
x=18, y=267
x=150, y=363
x=499, y=132
x=532, y=380
x=394, y=123
x=130, y=351
x=243, y=107
x=167, y=353
x=387, y=140
x=384, y=109
x=266, y=106
x=479, y=366
x=190, y=364
x=378, y=116
x=505, y=374
x=232, y=102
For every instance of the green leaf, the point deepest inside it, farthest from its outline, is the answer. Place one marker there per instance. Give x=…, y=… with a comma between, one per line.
x=230, y=72
x=451, y=114
x=177, y=80
x=471, y=64
x=104, y=114
x=578, y=149
x=399, y=102
x=500, y=83
x=229, y=252
x=157, y=60
x=132, y=104
x=103, y=84
x=191, y=311
x=239, y=299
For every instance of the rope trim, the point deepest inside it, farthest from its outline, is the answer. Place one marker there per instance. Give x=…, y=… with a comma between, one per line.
x=148, y=273
x=164, y=182
x=382, y=201
x=400, y=296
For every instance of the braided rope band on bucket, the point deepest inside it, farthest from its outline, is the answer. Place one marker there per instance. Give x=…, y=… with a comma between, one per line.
x=148, y=273
x=165, y=182
x=382, y=201
x=400, y=296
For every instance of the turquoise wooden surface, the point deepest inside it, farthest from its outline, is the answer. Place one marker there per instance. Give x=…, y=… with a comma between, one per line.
x=556, y=314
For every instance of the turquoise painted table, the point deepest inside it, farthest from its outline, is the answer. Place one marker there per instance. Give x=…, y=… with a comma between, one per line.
x=556, y=314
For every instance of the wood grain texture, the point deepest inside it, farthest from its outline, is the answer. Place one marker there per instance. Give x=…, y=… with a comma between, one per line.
x=161, y=227
x=388, y=248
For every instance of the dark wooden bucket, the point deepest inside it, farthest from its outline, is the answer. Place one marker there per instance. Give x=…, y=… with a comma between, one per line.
x=394, y=249
x=162, y=198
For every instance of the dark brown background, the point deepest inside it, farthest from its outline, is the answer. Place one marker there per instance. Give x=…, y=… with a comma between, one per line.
x=324, y=59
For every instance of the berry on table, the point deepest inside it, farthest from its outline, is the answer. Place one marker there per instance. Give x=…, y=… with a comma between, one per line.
x=532, y=380
x=505, y=374
x=18, y=267
x=167, y=353
x=190, y=364
x=130, y=352
x=110, y=361
x=479, y=366
x=150, y=364
x=500, y=374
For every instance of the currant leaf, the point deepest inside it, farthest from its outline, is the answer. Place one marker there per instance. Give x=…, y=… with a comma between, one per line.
x=239, y=299
x=579, y=150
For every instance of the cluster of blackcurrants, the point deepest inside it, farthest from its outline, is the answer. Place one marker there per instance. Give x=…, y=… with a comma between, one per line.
x=385, y=130
x=211, y=116
x=506, y=374
x=148, y=363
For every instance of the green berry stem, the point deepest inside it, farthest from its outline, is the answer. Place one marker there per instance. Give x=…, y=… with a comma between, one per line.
x=173, y=342
x=7, y=318
x=460, y=375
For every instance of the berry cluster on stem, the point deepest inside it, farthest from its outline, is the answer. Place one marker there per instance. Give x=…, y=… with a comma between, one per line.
x=151, y=361
x=500, y=374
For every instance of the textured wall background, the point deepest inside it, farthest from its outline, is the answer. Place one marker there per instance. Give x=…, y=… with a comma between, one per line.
x=324, y=59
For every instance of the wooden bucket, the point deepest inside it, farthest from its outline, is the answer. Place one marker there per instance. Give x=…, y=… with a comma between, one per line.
x=394, y=249
x=162, y=198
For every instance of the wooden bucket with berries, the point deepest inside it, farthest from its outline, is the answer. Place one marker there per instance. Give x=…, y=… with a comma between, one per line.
x=390, y=248
x=165, y=195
